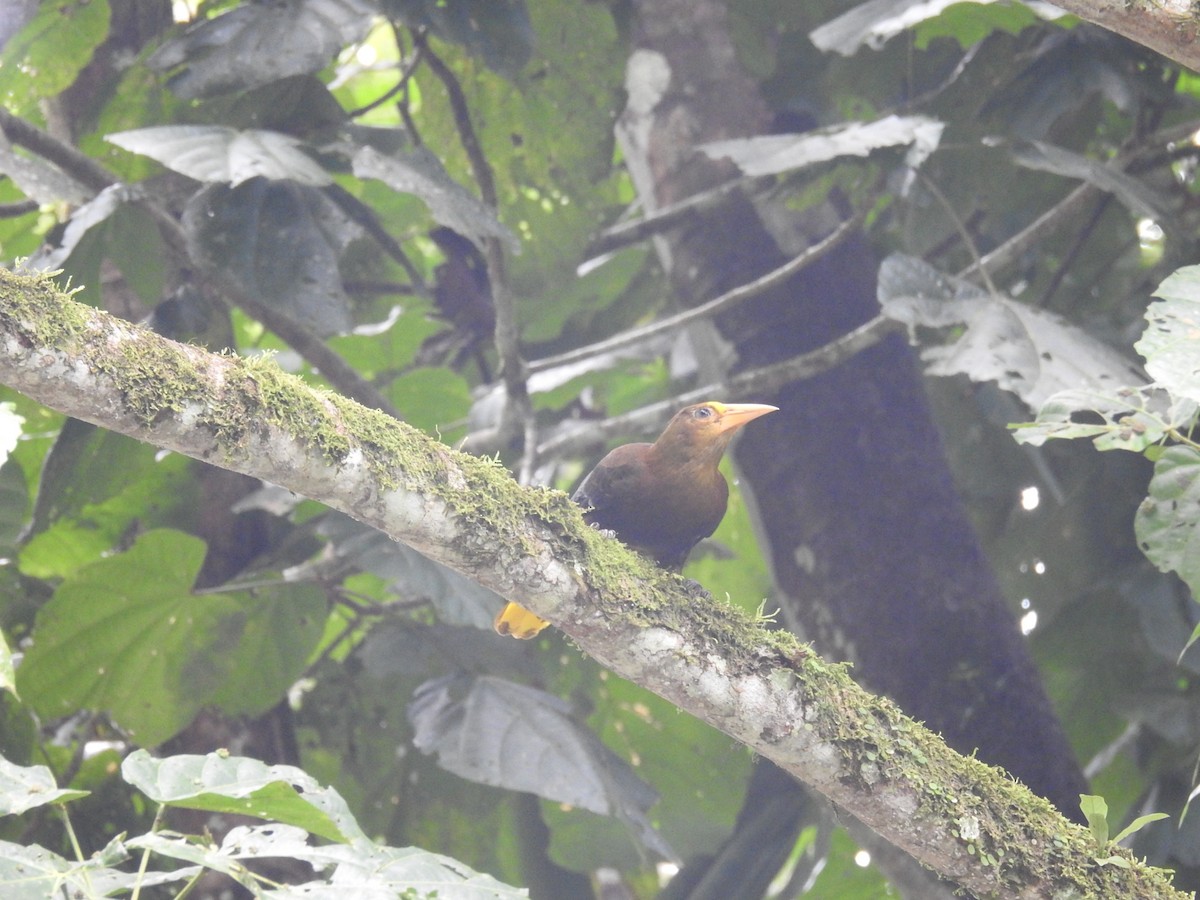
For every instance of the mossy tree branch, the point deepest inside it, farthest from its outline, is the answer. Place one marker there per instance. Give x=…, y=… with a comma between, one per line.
x=966, y=820
x=1169, y=27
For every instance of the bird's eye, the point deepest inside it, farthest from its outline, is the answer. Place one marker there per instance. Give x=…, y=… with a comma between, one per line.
x=703, y=412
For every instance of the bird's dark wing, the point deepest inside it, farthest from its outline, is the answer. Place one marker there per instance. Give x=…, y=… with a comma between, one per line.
x=608, y=487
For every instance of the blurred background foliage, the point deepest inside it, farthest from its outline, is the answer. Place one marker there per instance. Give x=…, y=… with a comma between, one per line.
x=333, y=181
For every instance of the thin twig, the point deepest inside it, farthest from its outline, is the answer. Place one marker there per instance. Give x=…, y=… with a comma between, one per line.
x=1038, y=231
x=144, y=863
x=19, y=208
x=711, y=308
x=404, y=104
x=378, y=101
x=462, y=120
x=969, y=241
x=930, y=95
x=311, y=348
x=379, y=288
x=401, y=85
x=1067, y=262
x=754, y=383
x=83, y=169
x=638, y=230
x=1072, y=206
x=366, y=219
x=512, y=364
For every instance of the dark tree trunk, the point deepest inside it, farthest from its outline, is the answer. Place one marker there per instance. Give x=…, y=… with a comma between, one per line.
x=873, y=553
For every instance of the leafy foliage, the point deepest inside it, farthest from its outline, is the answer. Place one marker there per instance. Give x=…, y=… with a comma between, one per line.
x=1143, y=420
x=49, y=53
x=106, y=633
x=513, y=736
x=252, y=44
x=499, y=33
x=296, y=806
x=227, y=155
x=1095, y=809
x=305, y=159
x=1032, y=353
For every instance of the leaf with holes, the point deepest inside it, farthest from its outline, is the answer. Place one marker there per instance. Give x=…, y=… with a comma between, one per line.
x=1171, y=341
x=1167, y=523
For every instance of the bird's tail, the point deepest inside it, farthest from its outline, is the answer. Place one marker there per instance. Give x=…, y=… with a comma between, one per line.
x=516, y=621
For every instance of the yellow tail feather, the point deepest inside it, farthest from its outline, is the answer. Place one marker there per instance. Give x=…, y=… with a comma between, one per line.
x=518, y=622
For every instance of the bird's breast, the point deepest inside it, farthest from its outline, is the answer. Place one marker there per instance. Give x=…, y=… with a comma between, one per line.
x=663, y=516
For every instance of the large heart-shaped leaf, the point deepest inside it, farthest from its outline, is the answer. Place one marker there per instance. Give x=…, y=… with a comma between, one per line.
x=215, y=153
x=127, y=635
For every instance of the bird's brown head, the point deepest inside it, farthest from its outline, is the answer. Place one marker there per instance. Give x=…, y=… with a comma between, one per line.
x=701, y=432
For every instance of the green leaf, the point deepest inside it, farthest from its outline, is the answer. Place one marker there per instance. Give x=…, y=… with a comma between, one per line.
x=115, y=636
x=1138, y=197
x=1170, y=342
x=7, y=673
x=872, y=24
x=34, y=873
x=1029, y=351
x=774, y=154
x=374, y=871
x=251, y=44
x=421, y=173
x=1095, y=810
x=1133, y=419
x=1167, y=523
x=970, y=23
x=23, y=788
x=260, y=651
x=280, y=241
x=47, y=55
x=218, y=782
x=127, y=635
x=95, y=484
x=274, y=841
x=1137, y=825
x=361, y=869
x=488, y=730
x=432, y=399
x=215, y=153
x=64, y=549
x=136, y=246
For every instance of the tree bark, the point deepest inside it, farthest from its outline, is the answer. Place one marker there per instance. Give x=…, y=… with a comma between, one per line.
x=873, y=552
x=1168, y=27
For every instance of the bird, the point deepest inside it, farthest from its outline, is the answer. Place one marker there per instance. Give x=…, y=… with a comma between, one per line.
x=661, y=499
